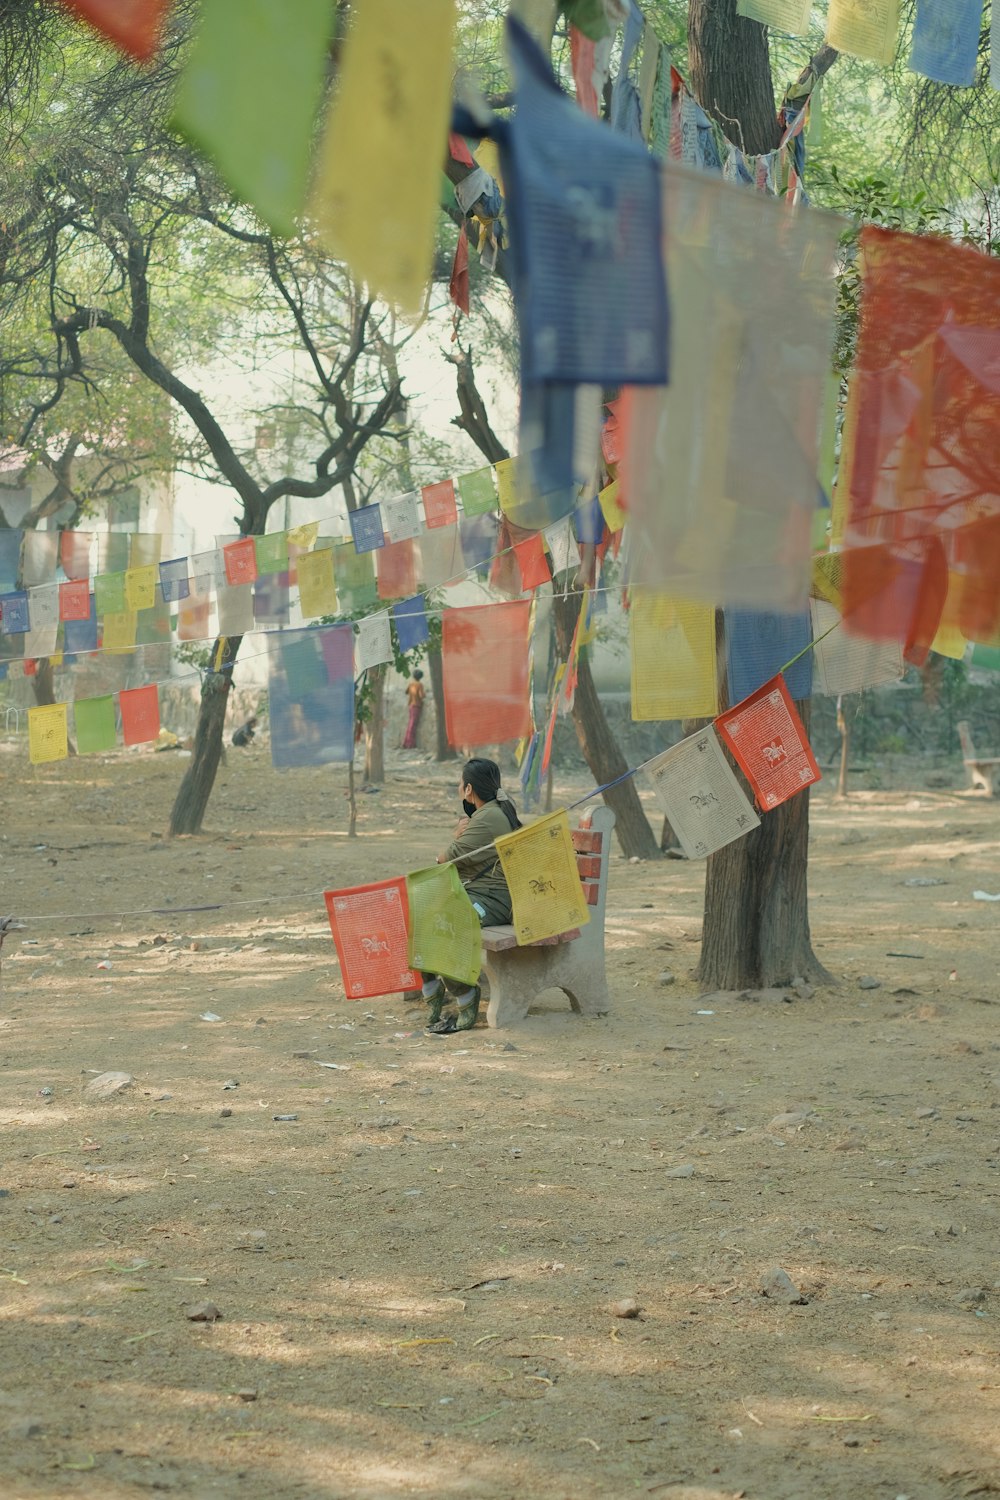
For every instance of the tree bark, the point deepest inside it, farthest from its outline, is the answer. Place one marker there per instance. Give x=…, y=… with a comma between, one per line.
x=188, y=810
x=730, y=74
x=845, y=748
x=599, y=746
x=442, y=749
x=375, y=729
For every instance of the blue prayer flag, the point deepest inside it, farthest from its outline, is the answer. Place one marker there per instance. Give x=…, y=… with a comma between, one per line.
x=479, y=540
x=271, y=599
x=10, y=559
x=410, y=620
x=174, y=579
x=760, y=644
x=80, y=636
x=311, y=696
x=366, y=528
x=15, y=616
x=588, y=522
x=946, y=40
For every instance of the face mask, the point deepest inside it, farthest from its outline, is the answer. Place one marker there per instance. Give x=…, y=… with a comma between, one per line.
x=468, y=808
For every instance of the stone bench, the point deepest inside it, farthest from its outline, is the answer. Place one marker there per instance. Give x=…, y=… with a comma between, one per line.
x=572, y=962
x=981, y=768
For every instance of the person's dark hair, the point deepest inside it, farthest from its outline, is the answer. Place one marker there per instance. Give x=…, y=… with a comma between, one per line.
x=418, y=676
x=484, y=778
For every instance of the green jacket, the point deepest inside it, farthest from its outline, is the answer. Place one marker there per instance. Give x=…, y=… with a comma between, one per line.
x=481, y=873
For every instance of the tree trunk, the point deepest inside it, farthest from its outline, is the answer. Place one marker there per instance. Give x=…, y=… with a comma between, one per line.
x=43, y=682
x=730, y=70
x=442, y=751
x=845, y=748
x=598, y=744
x=375, y=729
x=194, y=791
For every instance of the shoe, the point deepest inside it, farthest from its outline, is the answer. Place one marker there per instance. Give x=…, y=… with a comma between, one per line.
x=468, y=1013
x=436, y=1001
x=444, y=1027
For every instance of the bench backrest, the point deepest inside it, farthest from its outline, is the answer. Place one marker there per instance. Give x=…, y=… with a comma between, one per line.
x=965, y=737
x=591, y=857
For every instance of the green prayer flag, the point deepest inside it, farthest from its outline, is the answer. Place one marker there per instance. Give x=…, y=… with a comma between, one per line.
x=272, y=552
x=445, y=936
x=354, y=575
x=109, y=593
x=588, y=16
x=95, y=724
x=986, y=656
x=305, y=671
x=250, y=93
x=153, y=625
x=478, y=492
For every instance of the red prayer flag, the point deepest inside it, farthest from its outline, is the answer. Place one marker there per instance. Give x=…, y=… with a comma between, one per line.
x=458, y=287
x=74, y=600
x=369, y=925
x=133, y=25
x=484, y=652
x=611, y=433
x=439, y=503
x=140, y=711
x=532, y=562
x=769, y=741
x=458, y=150
x=397, y=570
x=74, y=553
x=240, y=559
x=581, y=51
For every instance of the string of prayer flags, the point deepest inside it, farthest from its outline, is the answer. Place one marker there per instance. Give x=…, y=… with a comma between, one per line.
x=439, y=503
x=249, y=95
x=769, y=742
x=317, y=587
x=48, y=736
x=366, y=528
x=10, y=559
x=864, y=28
x=373, y=645
x=133, y=25
x=697, y=790
x=369, y=925
x=80, y=636
x=118, y=631
x=946, y=40
x=673, y=658
x=240, y=559
x=441, y=559
x=410, y=620
x=140, y=714
x=401, y=518
x=384, y=141
x=396, y=566
x=15, y=617
x=530, y=554
x=140, y=587
x=310, y=690
x=484, y=651
x=234, y=604
x=271, y=552
x=760, y=644
x=788, y=16
x=39, y=554
x=74, y=554
x=543, y=878
x=355, y=575
x=192, y=617
x=94, y=720
x=445, y=935
x=848, y=663
x=144, y=549
x=719, y=469
x=478, y=491
x=174, y=581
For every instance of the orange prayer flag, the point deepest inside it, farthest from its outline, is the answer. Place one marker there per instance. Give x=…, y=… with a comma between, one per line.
x=531, y=560
x=133, y=25
x=240, y=559
x=439, y=503
x=769, y=741
x=369, y=925
x=140, y=711
x=74, y=600
x=484, y=652
x=395, y=564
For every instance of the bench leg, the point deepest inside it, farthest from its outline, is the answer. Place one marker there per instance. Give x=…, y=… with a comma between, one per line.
x=518, y=975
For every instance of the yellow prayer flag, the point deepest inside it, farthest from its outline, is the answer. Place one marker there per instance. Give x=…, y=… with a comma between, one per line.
x=789, y=16
x=487, y=154
x=827, y=569
x=140, y=587
x=375, y=195
x=673, y=658
x=864, y=28
x=542, y=876
x=508, y=492
x=304, y=535
x=119, y=631
x=610, y=509
x=317, y=590
x=47, y=733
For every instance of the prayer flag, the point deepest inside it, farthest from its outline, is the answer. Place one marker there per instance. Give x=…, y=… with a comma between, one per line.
x=174, y=583
x=697, y=790
x=271, y=552
x=719, y=470
x=439, y=503
x=74, y=600
x=373, y=645
x=847, y=663
x=355, y=575
x=311, y=696
x=95, y=724
x=376, y=186
x=144, y=548
x=192, y=617
x=485, y=659
x=539, y=864
x=478, y=536
x=478, y=492
x=317, y=591
x=769, y=741
x=10, y=559
x=118, y=631
x=39, y=554
x=140, y=711
x=788, y=16
x=441, y=558
x=759, y=645
x=410, y=620
x=445, y=934
x=44, y=610
x=240, y=560
x=133, y=25
x=15, y=616
x=112, y=551
x=530, y=554
x=673, y=658
x=140, y=587
x=109, y=593
x=74, y=553
x=249, y=95
x=271, y=599
x=995, y=46
x=80, y=636
x=369, y=926
x=366, y=528
x=48, y=738
x=396, y=566
x=946, y=40
x=864, y=28
x=235, y=606
x=401, y=518
x=614, y=516
x=206, y=569
x=508, y=484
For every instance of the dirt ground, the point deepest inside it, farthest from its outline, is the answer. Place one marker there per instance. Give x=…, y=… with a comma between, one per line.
x=415, y=1274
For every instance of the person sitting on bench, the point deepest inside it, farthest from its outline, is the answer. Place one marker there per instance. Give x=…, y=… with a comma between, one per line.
x=489, y=813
